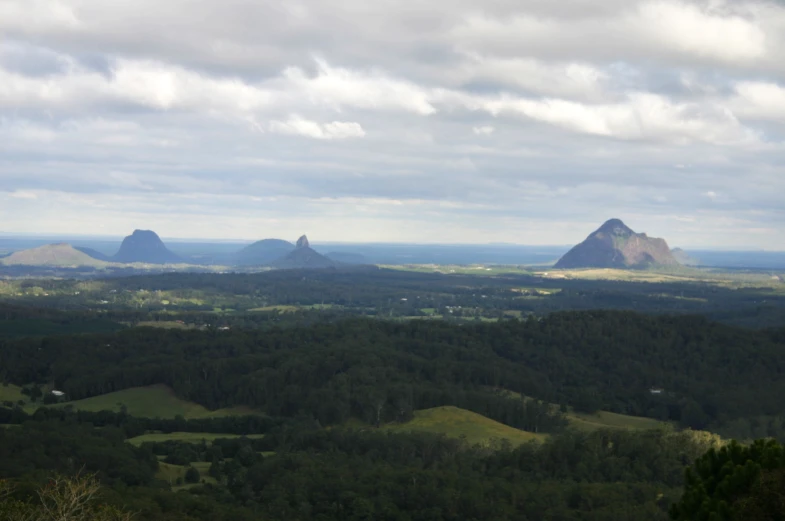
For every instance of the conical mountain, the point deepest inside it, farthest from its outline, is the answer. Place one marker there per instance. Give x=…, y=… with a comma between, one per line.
x=303, y=256
x=60, y=255
x=263, y=252
x=615, y=245
x=145, y=246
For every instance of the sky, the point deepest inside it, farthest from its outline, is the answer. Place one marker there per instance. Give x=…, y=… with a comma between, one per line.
x=519, y=121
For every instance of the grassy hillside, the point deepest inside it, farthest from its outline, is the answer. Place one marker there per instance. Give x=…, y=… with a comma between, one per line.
x=611, y=420
x=456, y=423
x=190, y=437
x=155, y=401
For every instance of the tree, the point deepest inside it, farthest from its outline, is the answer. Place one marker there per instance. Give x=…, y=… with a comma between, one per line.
x=192, y=475
x=64, y=498
x=735, y=483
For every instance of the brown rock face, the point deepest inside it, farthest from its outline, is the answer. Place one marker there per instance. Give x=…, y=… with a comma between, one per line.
x=614, y=245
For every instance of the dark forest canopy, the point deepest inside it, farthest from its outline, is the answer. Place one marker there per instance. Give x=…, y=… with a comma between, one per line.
x=711, y=374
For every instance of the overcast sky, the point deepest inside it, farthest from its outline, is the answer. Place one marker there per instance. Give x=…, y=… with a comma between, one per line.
x=524, y=121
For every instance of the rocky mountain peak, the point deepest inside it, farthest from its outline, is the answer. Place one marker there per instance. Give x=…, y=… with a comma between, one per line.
x=302, y=242
x=615, y=245
x=615, y=227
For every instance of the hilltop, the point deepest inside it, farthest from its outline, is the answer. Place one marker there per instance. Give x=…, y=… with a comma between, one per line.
x=145, y=246
x=263, y=252
x=59, y=255
x=303, y=256
x=615, y=245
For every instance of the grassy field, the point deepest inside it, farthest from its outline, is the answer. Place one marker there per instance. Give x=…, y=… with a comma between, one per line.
x=279, y=309
x=11, y=393
x=457, y=423
x=612, y=420
x=190, y=437
x=155, y=401
x=170, y=473
x=165, y=324
x=601, y=419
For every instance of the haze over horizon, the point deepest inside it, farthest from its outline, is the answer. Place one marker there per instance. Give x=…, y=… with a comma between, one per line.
x=522, y=122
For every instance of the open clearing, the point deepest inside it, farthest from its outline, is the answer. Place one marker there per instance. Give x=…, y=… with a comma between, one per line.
x=11, y=393
x=457, y=423
x=170, y=473
x=165, y=324
x=190, y=437
x=600, y=419
x=155, y=401
x=612, y=420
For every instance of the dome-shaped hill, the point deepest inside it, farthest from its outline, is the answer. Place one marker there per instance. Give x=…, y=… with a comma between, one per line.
x=145, y=246
x=263, y=252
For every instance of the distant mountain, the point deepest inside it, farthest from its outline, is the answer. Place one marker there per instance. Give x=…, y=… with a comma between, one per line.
x=60, y=255
x=303, y=256
x=93, y=253
x=684, y=258
x=345, y=257
x=614, y=245
x=263, y=252
x=145, y=246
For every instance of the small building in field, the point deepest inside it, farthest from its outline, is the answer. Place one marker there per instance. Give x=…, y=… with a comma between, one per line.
x=656, y=390
x=57, y=393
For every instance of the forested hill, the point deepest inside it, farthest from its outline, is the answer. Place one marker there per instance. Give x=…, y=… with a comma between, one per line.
x=709, y=373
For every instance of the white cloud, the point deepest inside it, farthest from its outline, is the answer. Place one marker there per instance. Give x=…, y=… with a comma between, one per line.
x=296, y=125
x=485, y=130
x=572, y=80
x=759, y=100
x=643, y=116
x=23, y=194
x=338, y=87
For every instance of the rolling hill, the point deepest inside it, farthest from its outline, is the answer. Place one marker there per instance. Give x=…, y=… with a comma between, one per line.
x=155, y=401
x=460, y=423
x=263, y=252
x=59, y=255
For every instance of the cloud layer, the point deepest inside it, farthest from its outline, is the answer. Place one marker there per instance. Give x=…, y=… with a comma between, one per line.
x=526, y=121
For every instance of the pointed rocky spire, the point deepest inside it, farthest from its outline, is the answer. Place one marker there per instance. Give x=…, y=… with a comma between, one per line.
x=302, y=242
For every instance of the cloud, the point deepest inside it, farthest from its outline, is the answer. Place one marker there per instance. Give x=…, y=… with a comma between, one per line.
x=759, y=100
x=296, y=125
x=716, y=31
x=447, y=121
x=23, y=194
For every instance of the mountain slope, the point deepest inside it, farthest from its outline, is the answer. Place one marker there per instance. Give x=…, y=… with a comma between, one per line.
x=55, y=255
x=303, y=256
x=263, y=252
x=145, y=246
x=93, y=253
x=614, y=245
x=684, y=258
